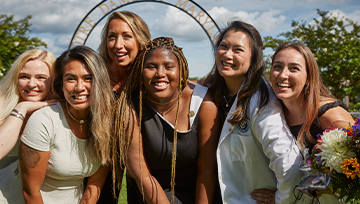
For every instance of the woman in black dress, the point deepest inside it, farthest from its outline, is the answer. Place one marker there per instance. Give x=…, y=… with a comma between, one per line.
x=170, y=150
x=309, y=109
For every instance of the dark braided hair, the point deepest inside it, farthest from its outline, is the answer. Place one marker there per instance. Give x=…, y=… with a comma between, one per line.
x=123, y=119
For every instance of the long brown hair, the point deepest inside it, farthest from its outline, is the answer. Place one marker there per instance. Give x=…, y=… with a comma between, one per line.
x=123, y=120
x=253, y=80
x=314, y=91
x=101, y=98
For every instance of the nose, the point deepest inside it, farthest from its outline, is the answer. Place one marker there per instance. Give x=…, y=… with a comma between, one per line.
x=32, y=82
x=160, y=72
x=284, y=73
x=119, y=43
x=228, y=54
x=80, y=86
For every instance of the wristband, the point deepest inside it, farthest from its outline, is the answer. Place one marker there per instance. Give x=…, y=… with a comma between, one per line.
x=17, y=115
x=20, y=114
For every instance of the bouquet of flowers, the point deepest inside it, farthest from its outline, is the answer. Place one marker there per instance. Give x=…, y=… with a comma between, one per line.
x=337, y=153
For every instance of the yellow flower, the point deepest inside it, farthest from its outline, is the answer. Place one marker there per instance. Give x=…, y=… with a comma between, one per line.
x=350, y=168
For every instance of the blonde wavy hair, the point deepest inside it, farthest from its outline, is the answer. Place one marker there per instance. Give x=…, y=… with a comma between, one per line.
x=9, y=93
x=137, y=25
x=101, y=98
x=123, y=120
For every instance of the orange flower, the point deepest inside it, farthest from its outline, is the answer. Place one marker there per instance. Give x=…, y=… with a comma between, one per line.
x=350, y=168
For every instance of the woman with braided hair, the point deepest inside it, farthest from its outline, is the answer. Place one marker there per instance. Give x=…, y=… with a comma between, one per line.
x=166, y=129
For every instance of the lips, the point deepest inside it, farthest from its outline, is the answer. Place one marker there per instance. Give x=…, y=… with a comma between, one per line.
x=283, y=85
x=120, y=54
x=161, y=85
x=32, y=92
x=80, y=98
x=226, y=64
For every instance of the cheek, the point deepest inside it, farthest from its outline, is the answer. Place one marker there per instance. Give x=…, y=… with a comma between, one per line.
x=21, y=84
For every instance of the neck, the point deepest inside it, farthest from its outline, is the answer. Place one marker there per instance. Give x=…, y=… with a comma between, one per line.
x=233, y=86
x=295, y=110
x=79, y=114
x=118, y=75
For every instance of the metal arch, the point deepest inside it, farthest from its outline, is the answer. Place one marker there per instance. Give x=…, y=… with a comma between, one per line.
x=129, y=3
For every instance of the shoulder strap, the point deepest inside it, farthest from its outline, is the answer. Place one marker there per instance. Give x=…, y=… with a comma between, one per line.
x=328, y=106
x=196, y=100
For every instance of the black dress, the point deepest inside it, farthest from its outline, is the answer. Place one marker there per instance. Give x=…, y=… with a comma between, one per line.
x=315, y=128
x=158, y=137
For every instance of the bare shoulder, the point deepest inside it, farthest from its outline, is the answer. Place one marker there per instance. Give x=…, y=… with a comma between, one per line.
x=335, y=117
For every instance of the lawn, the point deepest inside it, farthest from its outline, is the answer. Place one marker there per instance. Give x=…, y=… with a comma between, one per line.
x=123, y=195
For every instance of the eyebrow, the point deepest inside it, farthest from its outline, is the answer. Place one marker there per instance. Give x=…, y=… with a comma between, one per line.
x=234, y=45
x=70, y=74
x=292, y=63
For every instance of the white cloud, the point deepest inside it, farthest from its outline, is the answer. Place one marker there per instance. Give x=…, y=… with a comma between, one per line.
x=177, y=24
x=325, y=1
x=354, y=16
x=266, y=21
x=146, y=8
x=52, y=16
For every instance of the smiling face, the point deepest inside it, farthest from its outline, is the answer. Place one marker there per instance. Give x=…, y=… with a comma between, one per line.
x=121, y=43
x=77, y=82
x=34, y=82
x=288, y=74
x=161, y=75
x=233, y=56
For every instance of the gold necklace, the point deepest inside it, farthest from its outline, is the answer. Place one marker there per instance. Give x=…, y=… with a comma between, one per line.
x=71, y=116
x=166, y=111
x=227, y=103
x=162, y=104
x=300, y=116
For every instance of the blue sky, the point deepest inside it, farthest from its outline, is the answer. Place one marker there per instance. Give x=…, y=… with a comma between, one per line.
x=55, y=21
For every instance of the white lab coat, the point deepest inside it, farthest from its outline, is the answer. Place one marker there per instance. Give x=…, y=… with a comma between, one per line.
x=259, y=154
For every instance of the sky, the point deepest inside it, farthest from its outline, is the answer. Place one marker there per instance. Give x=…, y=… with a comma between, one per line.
x=55, y=21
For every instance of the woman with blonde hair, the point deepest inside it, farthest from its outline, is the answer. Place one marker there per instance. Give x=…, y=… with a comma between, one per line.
x=66, y=142
x=23, y=90
x=123, y=37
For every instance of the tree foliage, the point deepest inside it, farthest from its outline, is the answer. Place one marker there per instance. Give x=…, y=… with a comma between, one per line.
x=14, y=40
x=335, y=43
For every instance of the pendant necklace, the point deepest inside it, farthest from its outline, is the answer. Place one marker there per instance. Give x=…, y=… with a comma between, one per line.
x=300, y=116
x=227, y=103
x=72, y=117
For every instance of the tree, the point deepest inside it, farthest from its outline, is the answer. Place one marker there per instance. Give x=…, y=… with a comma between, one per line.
x=335, y=43
x=14, y=40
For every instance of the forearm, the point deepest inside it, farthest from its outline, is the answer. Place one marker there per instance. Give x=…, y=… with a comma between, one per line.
x=91, y=194
x=9, y=134
x=32, y=197
x=205, y=186
x=152, y=190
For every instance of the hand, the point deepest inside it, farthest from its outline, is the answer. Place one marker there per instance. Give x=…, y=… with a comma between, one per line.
x=29, y=106
x=318, y=193
x=263, y=196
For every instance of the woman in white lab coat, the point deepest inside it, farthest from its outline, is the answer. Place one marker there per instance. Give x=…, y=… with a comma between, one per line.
x=256, y=149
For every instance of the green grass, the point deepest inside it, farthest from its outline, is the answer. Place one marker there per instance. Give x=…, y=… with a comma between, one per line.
x=123, y=195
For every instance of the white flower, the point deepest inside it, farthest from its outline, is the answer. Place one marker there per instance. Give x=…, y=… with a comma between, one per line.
x=334, y=150
x=16, y=44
